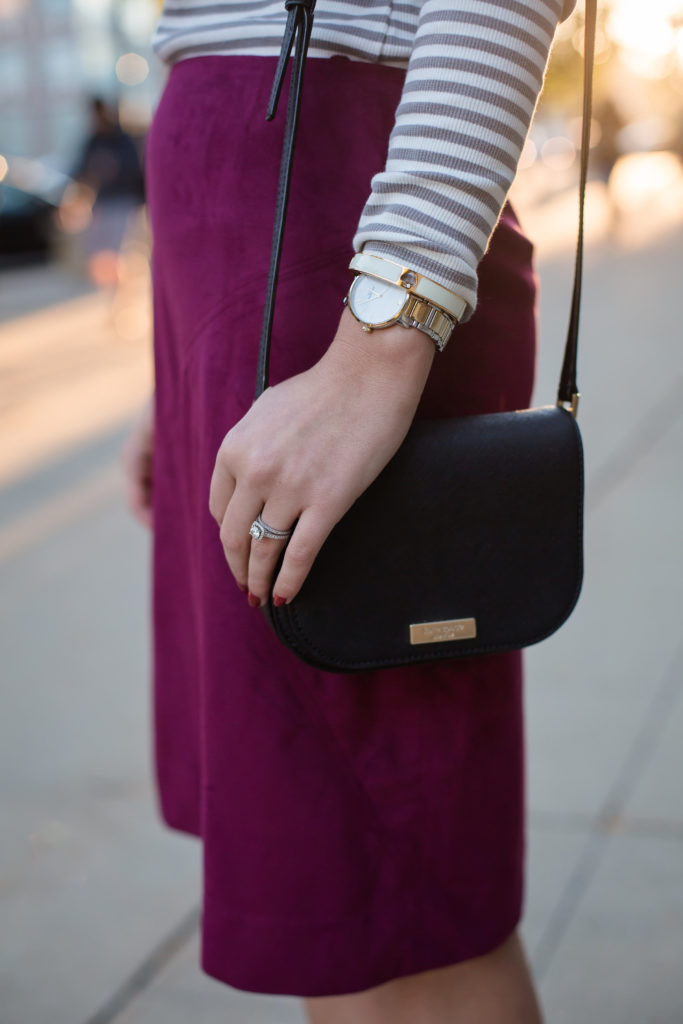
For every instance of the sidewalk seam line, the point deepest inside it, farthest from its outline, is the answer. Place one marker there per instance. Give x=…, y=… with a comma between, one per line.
x=658, y=419
x=635, y=760
x=148, y=969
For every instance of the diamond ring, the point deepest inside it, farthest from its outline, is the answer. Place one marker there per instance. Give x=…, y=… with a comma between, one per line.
x=258, y=530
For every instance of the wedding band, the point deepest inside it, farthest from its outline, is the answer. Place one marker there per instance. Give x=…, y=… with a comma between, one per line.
x=258, y=530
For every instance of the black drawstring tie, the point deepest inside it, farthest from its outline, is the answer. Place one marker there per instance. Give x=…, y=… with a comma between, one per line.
x=297, y=30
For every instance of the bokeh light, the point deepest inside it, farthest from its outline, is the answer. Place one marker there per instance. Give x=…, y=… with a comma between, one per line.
x=12, y=8
x=131, y=69
x=558, y=153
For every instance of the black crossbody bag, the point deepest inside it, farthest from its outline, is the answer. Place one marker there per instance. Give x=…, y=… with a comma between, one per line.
x=481, y=545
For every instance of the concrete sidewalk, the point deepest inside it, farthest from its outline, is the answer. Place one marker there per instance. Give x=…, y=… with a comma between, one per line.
x=99, y=902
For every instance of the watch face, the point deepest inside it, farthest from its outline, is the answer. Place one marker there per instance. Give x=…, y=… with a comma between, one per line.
x=375, y=302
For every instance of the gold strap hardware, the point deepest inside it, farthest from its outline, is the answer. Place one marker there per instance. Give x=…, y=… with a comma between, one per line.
x=573, y=406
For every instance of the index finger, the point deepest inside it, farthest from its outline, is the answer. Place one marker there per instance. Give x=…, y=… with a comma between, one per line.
x=221, y=491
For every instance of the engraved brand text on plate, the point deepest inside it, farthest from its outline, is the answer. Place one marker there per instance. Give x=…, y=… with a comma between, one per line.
x=447, y=629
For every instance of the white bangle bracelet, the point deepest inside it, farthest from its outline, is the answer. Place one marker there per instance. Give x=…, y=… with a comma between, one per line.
x=411, y=280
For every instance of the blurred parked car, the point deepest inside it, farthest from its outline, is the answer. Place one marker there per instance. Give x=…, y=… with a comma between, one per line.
x=30, y=194
x=26, y=226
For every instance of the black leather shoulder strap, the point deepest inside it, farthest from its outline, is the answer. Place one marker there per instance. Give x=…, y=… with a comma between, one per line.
x=568, y=390
x=297, y=35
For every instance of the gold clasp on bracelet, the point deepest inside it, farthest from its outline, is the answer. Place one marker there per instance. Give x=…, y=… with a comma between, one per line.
x=408, y=279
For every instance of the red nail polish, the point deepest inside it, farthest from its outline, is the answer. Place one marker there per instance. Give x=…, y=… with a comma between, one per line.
x=254, y=601
x=242, y=587
x=278, y=601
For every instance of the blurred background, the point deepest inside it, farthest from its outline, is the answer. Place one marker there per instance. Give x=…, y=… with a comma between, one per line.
x=98, y=901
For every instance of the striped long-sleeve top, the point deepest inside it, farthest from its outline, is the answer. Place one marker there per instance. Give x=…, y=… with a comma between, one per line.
x=474, y=71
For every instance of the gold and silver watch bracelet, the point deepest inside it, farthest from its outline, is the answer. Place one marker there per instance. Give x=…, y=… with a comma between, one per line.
x=428, y=319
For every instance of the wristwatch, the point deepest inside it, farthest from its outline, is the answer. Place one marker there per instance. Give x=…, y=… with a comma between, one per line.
x=385, y=293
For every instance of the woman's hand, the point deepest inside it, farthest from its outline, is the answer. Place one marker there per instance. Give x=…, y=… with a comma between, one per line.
x=309, y=446
x=137, y=457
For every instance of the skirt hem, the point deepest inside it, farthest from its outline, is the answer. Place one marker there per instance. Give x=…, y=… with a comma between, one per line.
x=250, y=981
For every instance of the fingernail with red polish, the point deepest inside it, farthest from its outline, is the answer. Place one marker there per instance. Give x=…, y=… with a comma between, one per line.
x=254, y=601
x=278, y=601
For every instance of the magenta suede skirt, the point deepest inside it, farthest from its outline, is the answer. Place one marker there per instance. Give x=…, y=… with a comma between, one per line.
x=355, y=828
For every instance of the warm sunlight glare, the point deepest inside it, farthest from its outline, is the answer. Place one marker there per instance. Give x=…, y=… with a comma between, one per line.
x=647, y=34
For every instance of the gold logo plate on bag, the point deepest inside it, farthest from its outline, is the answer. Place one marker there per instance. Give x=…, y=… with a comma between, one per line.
x=438, y=632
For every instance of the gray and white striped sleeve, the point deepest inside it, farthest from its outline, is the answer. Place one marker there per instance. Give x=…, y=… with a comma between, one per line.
x=473, y=80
